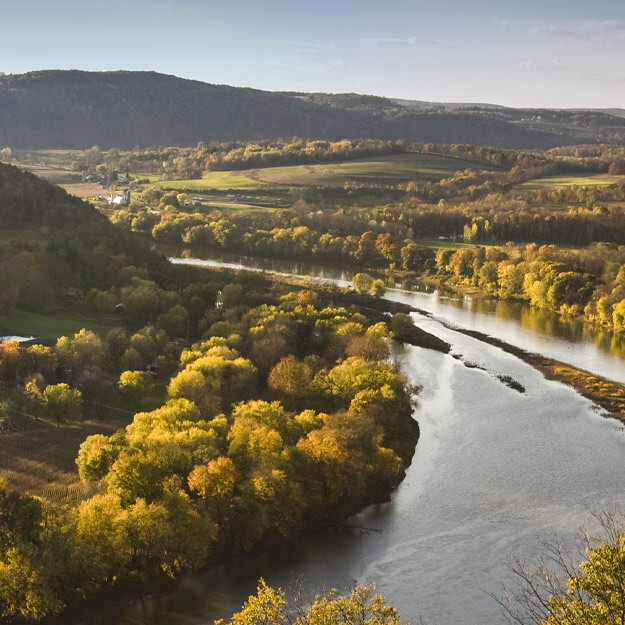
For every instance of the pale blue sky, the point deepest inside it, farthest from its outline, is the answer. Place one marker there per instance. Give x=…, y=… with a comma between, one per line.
x=532, y=53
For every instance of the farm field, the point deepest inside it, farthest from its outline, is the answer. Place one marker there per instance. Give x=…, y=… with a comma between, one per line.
x=57, y=176
x=23, y=322
x=383, y=170
x=40, y=460
x=213, y=181
x=560, y=182
x=377, y=170
x=235, y=207
x=84, y=189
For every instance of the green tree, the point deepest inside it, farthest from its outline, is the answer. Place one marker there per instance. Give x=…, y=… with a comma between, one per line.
x=362, y=283
x=214, y=481
x=26, y=587
x=291, y=378
x=61, y=403
x=378, y=288
x=402, y=326
x=84, y=349
x=135, y=385
x=96, y=456
x=194, y=386
x=269, y=606
x=21, y=520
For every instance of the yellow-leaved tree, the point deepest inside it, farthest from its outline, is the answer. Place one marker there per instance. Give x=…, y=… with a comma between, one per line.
x=270, y=606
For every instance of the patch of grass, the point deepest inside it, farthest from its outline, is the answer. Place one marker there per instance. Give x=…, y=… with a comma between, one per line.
x=58, y=176
x=85, y=189
x=384, y=170
x=607, y=394
x=447, y=244
x=214, y=180
x=560, y=182
x=237, y=208
x=137, y=175
x=54, y=325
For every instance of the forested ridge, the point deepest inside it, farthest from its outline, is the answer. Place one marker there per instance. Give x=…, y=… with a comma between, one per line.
x=74, y=109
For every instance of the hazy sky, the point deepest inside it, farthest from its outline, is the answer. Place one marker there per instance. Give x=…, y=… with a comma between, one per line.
x=529, y=53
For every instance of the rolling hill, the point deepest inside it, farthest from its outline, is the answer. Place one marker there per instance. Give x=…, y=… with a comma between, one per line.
x=77, y=109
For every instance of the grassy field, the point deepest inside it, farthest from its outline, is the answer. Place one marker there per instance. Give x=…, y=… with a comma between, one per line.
x=27, y=323
x=213, y=181
x=560, y=182
x=435, y=243
x=84, y=189
x=383, y=170
x=235, y=207
x=58, y=176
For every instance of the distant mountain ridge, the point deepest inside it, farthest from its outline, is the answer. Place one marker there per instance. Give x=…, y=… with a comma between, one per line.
x=76, y=109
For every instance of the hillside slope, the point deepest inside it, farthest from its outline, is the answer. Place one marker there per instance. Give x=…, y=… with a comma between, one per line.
x=76, y=109
x=50, y=241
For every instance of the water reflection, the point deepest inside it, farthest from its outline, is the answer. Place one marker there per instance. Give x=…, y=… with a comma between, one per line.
x=541, y=331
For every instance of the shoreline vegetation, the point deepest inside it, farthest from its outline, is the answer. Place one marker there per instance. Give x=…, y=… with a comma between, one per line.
x=607, y=394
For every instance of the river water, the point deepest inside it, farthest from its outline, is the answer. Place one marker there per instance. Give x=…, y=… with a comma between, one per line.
x=494, y=471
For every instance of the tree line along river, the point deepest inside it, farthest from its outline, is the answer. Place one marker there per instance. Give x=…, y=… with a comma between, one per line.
x=494, y=470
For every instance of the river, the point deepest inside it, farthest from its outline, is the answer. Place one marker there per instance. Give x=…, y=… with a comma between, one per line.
x=494, y=470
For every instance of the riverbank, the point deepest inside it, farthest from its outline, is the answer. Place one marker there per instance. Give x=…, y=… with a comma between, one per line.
x=607, y=394
x=473, y=483
x=136, y=590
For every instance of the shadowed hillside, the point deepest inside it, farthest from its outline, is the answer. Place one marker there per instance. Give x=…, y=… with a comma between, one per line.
x=75, y=109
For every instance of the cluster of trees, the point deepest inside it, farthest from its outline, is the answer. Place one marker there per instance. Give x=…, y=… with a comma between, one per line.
x=483, y=206
x=555, y=588
x=284, y=414
x=491, y=157
x=188, y=163
x=77, y=374
x=588, y=282
x=610, y=158
x=270, y=606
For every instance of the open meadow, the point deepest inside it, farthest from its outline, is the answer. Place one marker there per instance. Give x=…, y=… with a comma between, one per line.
x=384, y=170
x=572, y=180
x=53, y=325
